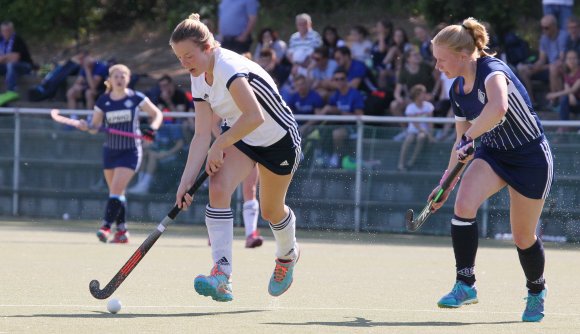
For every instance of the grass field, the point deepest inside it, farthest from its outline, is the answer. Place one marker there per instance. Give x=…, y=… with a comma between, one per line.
x=344, y=283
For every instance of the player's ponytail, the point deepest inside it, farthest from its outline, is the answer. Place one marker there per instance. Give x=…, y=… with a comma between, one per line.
x=469, y=36
x=195, y=30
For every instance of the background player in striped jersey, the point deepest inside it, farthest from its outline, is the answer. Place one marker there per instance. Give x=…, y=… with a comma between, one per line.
x=490, y=103
x=260, y=129
x=119, y=109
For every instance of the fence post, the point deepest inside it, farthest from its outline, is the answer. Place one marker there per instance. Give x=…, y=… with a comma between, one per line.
x=16, y=165
x=485, y=218
x=358, y=173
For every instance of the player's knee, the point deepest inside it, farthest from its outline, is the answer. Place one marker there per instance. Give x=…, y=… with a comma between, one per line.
x=270, y=214
x=523, y=241
x=218, y=190
x=464, y=207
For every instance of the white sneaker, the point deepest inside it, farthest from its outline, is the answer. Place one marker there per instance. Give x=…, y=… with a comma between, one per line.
x=139, y=188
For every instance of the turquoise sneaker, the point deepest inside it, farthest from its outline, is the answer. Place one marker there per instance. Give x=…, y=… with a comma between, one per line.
x=534, y=311
x=283, y=275
x=217, y=285
x=461, y=294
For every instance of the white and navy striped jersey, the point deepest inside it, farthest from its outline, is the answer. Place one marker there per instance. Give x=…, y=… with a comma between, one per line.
x=228, y=66
x=520, y=124
x=121, y=115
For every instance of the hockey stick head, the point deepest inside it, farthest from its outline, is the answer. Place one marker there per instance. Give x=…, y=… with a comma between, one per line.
x=95, y=288
x=413, y=224
x=409, y=220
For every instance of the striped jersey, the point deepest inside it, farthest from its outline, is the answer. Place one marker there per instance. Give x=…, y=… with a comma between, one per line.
x=121, y=115
x=228, y=66
x=520, y=124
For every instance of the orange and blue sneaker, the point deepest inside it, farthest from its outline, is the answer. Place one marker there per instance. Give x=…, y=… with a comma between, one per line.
x=103, y=234
x=534, y=311
x=283, y=274
x=121, y=237
x=217, y=285
x=461, y=294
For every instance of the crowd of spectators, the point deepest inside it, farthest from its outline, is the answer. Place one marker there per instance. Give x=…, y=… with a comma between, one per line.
x=377, y=69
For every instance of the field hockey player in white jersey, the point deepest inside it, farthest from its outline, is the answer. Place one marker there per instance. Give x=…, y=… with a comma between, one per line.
x=118, y=108
x=259, y=128
x=492, y=106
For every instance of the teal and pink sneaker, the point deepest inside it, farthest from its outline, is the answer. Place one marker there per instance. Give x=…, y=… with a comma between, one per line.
x=103, y=234
x=534, y=311
x=461, y=294
x=121, y=237
x=283, y=274
x=217, y=285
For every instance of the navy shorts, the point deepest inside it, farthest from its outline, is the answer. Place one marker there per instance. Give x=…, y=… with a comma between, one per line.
x=280, y=158
x=529, y=169
x=130, y=158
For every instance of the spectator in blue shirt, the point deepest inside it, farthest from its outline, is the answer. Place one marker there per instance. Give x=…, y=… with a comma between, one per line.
x=345, y=101
x=356, y=71
x=305, y=101
x=237, y=19
x=14, y=60
x=90, y=82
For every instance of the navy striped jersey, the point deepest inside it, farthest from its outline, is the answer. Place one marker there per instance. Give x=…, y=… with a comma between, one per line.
x=121, y=115
x=520, y=124
x=228, y=66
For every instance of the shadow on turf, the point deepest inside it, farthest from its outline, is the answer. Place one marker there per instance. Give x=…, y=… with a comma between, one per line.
x=100, y=314
x=364, y=323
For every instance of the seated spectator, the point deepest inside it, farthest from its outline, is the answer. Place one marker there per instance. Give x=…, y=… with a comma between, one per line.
x=303, y=42
x=443, y=108
x=90, y=82
x=356, y=71
x=413, y=72
x=570, y=95
x=416, y=132
x=345, y=101
x=552, y=45
x=424, y=39
x=320, y=71
x=268, y=61
x=168, y=97
x=360, y=45
x=394, y=58
x=557, y=68
x=305, y=101
x=331, y=40
x=15, y=60
x=268, y=39
x=163, y=151
x=384, y=41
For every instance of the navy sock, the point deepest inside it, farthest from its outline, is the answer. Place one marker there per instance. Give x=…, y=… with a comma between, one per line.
x=533, y=260
x=464, y=235
x=121, y=223
x=112, y=210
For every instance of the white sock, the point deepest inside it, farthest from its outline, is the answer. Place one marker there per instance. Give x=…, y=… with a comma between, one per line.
x=285, y=234
x=220, y=227
x=250, y=213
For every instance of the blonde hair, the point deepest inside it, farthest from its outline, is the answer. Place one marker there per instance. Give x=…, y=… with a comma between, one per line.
x=468, y=36
x=117, y=67
x=193, y=29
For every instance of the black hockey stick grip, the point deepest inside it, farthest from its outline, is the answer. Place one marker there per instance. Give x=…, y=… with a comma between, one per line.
x=111, y=287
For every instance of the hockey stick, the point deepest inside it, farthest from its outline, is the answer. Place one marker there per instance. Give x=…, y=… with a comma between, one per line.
x=116, y=281
x=75, y=123
x=414, y=224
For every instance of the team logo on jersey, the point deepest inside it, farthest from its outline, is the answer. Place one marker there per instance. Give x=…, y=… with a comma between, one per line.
x=118, y=116
x=481, y=96
x=128, y=103
x=284, y=163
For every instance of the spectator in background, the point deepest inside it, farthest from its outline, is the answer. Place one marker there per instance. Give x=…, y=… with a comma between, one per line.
x=360, y=45
x=419, y=132
x=305, y=101
x=552, y=45
x=557, y=68
x=384, y=41
x=168, y=97
x=393, y=60
x=237, y=19
x=320, y=71
x=443, y=108
x=345, y=101
x=331, y=40
x=15, y=60
x=268, y=61
x=561, y=9
x=570, y=95
x=303, y=42
x=268, y=39
x=413, y=72
x=356, y=70
x=90, y=82
x=424, y=39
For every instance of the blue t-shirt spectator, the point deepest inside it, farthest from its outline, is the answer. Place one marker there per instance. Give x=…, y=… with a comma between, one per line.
x=349, y=102
x=304, y=105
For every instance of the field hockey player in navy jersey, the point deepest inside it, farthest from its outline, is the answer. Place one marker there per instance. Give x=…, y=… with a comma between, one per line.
x=492, y=107
x=118, y=108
